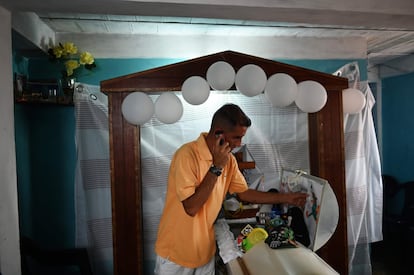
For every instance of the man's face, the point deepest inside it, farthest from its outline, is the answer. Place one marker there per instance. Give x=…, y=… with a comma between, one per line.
x=234, y=137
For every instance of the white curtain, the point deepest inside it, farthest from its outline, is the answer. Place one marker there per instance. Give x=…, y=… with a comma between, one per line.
x=92, y=181
x=363, y=177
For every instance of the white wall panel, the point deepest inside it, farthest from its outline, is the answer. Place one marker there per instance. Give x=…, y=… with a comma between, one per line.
x=9, y=223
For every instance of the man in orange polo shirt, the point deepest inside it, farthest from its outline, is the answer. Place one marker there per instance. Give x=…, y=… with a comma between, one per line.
x=202, y=172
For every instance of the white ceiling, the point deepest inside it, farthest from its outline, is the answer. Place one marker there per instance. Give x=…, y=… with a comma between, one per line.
x=387, y=26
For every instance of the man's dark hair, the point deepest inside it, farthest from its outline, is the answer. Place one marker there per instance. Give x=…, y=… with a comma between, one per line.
x=229, y=116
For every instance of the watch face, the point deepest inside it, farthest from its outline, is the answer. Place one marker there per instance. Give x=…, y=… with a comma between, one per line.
x=215, y=170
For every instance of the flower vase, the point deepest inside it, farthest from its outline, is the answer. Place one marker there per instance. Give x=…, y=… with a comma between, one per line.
x=66, y=90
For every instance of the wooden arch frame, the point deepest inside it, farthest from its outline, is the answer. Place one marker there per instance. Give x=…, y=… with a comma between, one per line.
x=326, y=147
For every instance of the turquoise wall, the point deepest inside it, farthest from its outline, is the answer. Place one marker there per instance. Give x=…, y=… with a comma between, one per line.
x=329, y=66
x=45, y=155
x=105, y=68
x=110, y=68
x=46, y=150
x=398, y=127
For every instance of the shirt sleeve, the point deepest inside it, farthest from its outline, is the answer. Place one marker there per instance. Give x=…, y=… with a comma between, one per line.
x=184, y=174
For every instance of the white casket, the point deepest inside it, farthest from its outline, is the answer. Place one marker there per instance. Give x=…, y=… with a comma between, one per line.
x=262, y=260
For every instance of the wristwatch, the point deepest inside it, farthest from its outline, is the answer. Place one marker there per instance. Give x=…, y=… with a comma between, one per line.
x=215, y=170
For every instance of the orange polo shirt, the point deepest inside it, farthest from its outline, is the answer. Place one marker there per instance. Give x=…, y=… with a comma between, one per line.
x=185, y=240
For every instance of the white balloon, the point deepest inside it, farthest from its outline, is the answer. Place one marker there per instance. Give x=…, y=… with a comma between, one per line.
x=250, y=80
x=353, y=101
x=168, y=108
x=281, y=90
x=311, y=96
x=195, y=90
x=220, y=76
x=137, y=108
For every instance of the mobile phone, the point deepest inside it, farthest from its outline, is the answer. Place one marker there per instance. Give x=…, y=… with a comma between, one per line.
x=218, y=133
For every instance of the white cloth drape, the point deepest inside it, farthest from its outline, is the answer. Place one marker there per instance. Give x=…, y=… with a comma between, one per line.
x=92, y=181
x=363, y=178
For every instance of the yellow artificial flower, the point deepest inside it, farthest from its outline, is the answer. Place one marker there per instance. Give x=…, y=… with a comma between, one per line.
x=86, y=58
x=71, y=65
x=68, y=55
x=69, y=48
x=58, y=51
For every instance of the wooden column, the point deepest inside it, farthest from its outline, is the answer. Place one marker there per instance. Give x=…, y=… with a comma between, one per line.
x=126, y=188
x=327, y=160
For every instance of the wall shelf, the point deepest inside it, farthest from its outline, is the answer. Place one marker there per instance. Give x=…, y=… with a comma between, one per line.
x=47, y=91
x=35, y=99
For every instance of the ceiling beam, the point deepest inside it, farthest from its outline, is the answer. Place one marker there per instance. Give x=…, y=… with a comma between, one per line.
x=374, y=14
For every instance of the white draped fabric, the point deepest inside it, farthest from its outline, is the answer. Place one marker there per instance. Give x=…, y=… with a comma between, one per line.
x=363, y=178
x=277, y=139
x=92, y=180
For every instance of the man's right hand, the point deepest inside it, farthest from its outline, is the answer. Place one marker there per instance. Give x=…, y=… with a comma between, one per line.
x=221, y=152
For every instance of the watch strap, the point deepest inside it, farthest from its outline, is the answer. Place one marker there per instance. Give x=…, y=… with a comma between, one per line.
x=215, y=170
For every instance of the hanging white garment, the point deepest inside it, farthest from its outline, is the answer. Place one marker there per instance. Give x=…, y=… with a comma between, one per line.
x=92, y=180
x=363, y=177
